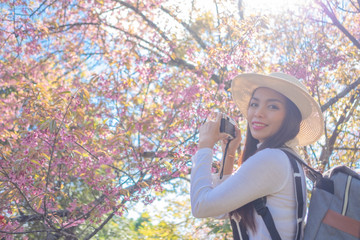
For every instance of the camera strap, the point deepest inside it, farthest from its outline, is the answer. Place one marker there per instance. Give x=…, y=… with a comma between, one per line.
x=224, y=157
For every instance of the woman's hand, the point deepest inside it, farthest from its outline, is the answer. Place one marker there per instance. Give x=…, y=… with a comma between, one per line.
x=231, y=152
x=210, y=134
x=234, y=144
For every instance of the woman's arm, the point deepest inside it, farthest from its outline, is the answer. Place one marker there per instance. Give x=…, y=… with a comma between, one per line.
x=210, y=135
x=263, y=174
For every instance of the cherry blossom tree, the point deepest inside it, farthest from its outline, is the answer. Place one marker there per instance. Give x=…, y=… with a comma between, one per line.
x=101, y=100
x=324, y=53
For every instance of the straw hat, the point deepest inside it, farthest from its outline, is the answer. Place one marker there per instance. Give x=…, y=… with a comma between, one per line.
x=312, y=124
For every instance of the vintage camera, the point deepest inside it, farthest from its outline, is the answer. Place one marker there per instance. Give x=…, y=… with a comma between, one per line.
x=227, y=125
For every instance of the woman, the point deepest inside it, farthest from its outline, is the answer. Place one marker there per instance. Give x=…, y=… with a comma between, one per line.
x=280, y=114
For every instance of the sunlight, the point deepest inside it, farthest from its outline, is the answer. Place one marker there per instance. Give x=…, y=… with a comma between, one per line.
x=273, y=6
x=260, y=6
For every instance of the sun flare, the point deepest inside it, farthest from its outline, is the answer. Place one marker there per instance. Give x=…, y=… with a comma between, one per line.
x=271, y=6
x=259, y=6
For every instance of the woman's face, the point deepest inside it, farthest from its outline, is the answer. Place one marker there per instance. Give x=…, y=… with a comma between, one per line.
x=266, y=113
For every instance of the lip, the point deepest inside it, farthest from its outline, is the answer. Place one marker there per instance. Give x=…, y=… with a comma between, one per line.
x=258, y=125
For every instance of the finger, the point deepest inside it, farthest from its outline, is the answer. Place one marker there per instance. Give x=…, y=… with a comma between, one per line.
x=224, y=137
x=237, y=135
x=237, y=132
x=218, y=119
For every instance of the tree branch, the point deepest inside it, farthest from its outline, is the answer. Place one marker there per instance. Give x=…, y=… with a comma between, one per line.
x=187, y=27
x=67, y=27
x=151, y=23
x=326, y=153
x=66, y=213
x=347, y=149
x=336, y=22
x=56, y=134
x=138, y=38
x=340, y=95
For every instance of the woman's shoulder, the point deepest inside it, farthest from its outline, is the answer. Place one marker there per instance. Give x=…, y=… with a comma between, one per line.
x=272, y=152
x=271, y=165
x=273, y=157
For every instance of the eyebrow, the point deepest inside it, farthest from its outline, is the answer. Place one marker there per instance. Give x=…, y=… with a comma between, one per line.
x=268, y=100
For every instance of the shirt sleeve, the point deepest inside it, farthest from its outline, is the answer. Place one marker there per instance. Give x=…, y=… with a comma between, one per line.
x=263, y=174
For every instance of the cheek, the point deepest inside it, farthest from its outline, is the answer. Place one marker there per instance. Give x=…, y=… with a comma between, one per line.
x=280, y=119
x=249, y=114
x=248, y=118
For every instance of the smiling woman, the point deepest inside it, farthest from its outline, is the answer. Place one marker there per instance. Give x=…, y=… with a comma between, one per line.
x=266, y=113
x=279, y=112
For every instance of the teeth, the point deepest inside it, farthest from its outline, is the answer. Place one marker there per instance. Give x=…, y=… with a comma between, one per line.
x=258, y=124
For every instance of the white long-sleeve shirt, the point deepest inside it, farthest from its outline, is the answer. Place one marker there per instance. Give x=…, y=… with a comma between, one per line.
x=266, y=173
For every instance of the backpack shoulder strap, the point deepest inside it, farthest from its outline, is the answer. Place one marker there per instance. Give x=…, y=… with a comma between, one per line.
x=263, y=211
x=298, y=193
x=312, y=174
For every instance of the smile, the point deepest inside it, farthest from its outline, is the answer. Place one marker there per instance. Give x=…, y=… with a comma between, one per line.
x=258, y=125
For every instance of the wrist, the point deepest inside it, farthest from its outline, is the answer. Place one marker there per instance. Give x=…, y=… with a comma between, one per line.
x=231, y=152
x=205, y=145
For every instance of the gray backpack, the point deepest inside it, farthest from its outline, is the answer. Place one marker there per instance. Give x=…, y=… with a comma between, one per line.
x=334, y=211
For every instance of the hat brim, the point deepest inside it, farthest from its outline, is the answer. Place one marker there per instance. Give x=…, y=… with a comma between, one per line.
x=312, y=124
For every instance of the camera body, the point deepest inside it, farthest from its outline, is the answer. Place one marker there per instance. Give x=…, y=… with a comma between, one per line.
x=227, y=125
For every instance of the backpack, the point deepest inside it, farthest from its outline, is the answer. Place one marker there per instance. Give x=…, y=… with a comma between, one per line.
x=334, y=210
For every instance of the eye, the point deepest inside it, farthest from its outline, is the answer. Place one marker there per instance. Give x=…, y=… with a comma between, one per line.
x=253, y=104
x=273, y=107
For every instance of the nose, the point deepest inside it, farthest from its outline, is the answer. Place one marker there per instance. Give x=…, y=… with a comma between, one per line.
x=260, y=111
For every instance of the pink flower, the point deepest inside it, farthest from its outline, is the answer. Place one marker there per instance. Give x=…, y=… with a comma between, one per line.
x=2, y=221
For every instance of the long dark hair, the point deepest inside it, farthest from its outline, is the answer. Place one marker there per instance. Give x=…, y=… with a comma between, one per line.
x=288, y=130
